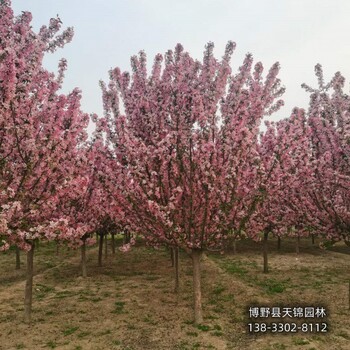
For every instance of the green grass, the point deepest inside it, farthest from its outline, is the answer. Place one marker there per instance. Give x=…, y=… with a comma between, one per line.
x=51, y=344
x=41, y=291
x=69, y=330
x=203, y=328
x=300, y=341
x=119, y=307
x=234, y=268
x=273, y=286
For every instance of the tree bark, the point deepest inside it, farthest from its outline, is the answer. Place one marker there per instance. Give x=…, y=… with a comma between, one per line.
x=197, y=293
x=57, y=248
x=83, y=260
x=100, y=249
x=234, y=246
x=176, y=269
x=28, y=296
x=127, y=237
x=265, y=251
x=172, y=256
x=313, y=239
x=106, y=246
x=113, y=243
x=297, y=246
x=18, y=258
x=278, y=243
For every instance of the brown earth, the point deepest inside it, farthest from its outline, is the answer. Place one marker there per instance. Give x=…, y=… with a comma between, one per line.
x=129, y=303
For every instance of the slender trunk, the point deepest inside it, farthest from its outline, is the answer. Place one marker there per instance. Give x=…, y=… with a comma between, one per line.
x=100, y=249
x=297, y=246
x=28, y=296
x=197, y=293
x=57, y=248
x=278, y=243
x=265, y=251
x=172, y=256
x=313, y=239
x=126, y=238
x=176, y=269
x=83, y=259
x=234, y=246
x=18, y=259
x=106, y=246
x=113, y=243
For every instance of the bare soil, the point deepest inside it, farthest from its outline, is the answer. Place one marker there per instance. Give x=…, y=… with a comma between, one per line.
x=129, y=303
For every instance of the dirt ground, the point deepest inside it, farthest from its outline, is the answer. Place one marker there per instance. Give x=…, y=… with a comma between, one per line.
x=129, y=303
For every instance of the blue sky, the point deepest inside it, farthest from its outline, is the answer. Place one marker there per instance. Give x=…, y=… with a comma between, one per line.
x=297, y=33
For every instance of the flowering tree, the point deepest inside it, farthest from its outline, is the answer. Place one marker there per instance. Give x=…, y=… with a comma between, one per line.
x=329, y=121
x=285, y=152
x=186, y=149
x=40, y=134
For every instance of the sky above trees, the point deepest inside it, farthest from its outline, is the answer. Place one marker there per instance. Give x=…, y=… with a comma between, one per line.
x=296, y=33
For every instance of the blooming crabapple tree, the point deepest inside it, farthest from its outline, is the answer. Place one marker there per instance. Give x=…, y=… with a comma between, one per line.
x=285, y=152
x=40, y=134
x=189, y=167
x=329, y=191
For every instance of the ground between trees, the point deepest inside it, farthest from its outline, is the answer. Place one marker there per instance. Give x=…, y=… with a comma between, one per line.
x=129, y=302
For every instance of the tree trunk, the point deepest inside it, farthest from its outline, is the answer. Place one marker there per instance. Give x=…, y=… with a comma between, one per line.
x=176, y=269
x=28, y=296
x=265, y=251
x=297, y=246
x=234, y=246
x=113, y=243
x=18, y=259
x=100, y=249
x=197, y=293
x=278, y=243
x=172, y=256
x=106, y=246
x=83, y=259
x=57, y=248
x=127, y=237
x=313, y=239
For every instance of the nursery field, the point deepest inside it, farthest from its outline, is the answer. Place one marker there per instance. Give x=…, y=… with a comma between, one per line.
x=129, y=303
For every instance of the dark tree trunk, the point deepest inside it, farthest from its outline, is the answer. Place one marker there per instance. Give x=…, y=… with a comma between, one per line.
x=113, y=243
x=100, y=249
x=18, y=258
x=176, y=269
x=234, y=246
x=172, y=256
x=83, y=260
x=313, y=239
x=197, y=293
x=297, y=246
x=278, y=243
x=265, y=251
x=126, y=238
x=106, y=245
x=28, y=296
